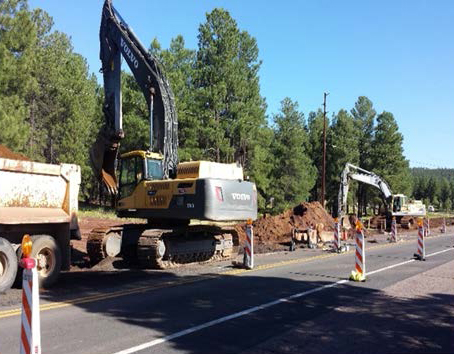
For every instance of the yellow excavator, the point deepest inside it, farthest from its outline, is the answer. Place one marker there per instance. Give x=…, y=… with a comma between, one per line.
x=152, y=184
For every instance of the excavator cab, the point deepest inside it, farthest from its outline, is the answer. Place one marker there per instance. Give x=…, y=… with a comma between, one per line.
x=399, y=203
x=153, y=168
x=136, y=166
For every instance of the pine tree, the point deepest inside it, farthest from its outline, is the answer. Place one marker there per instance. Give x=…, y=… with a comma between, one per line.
x=451, y=184
x=342, y=148
x=432, y=190
x=178, y=63
x=424, y=181
x=48, y=99
x=135, y=115
x=227, y=91
x=387, y=154
x=261, y=166
x=364, y=116
x=445, y=192
x=14, y=130
x=17, y=44
x=447, y=205
x=314, y=147
x=293, y=173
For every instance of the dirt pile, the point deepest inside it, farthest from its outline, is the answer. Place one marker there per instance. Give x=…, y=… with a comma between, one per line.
x=376, y=222
x=438, y=222
x=8, y=154
x=273, y=230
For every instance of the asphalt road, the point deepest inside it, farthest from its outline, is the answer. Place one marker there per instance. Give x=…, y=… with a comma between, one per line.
x=299, y=301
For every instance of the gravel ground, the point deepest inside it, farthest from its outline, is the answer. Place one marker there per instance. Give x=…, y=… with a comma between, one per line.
x=438, y=280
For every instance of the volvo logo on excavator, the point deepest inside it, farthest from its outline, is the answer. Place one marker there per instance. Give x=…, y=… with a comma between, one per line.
x=128, y=53
x=241, y=196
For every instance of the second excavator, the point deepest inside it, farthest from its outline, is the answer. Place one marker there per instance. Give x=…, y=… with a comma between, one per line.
x=396, y=205
x=152, y=184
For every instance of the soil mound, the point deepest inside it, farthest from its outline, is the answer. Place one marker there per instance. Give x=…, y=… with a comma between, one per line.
x=438, y=222
x=8, y=154
x=278, y=229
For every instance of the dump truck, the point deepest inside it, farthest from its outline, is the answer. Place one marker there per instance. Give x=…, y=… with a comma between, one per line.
x=40, y=200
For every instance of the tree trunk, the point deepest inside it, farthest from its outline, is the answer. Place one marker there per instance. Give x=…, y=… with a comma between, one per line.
x=359, y=200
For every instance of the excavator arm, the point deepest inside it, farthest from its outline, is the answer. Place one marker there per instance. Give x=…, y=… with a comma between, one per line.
x=352, y=172
x=117, y=39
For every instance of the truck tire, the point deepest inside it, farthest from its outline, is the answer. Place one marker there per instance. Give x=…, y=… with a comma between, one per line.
x=8, y=265
x=48, y=256
x=48, y=259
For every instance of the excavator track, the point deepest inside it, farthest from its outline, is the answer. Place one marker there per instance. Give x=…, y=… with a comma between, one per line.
x=96, y=244
x=148, y=253
x=168, y=248
x=95, y=249
x=406, y=222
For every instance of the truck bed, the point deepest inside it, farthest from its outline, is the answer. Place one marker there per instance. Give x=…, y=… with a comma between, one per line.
x=38, y=193
x=20, y=215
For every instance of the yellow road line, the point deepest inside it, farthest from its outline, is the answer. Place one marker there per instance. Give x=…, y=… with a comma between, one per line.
x=277, y=264
x=92, y=298
x=60, y=304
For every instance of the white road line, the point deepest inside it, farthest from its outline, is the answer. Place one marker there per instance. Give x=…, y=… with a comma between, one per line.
x=409, y=261
x=389, y=267
x=227, y=318
x=255, y=309
x=443, y=251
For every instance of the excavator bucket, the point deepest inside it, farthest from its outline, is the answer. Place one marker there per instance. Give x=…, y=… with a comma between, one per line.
x=103, y=155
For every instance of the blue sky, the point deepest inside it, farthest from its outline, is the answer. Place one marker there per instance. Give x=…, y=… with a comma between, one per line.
x=400, y=54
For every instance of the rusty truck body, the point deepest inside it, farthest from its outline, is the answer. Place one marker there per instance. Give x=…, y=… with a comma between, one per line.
x=40, y=200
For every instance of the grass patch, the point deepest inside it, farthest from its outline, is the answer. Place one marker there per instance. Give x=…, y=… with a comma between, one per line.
x=440, y=215
x=102, y=212
x=95, y=211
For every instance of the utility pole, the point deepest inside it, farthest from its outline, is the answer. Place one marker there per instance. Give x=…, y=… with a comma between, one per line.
x=322, y=196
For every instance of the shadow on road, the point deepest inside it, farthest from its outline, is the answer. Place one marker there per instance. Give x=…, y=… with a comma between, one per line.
x=344, y=319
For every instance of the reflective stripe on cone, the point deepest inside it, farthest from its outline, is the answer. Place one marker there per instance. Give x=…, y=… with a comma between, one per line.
x=421, y=250
x=30, y=338
x=336, y=237
x=249, y=249
x=359, y=274
x=393, y=230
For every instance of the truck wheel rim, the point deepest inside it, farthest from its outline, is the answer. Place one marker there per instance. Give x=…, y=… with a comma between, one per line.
x=45, y=262
x=3, y=264
x=161, y=248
